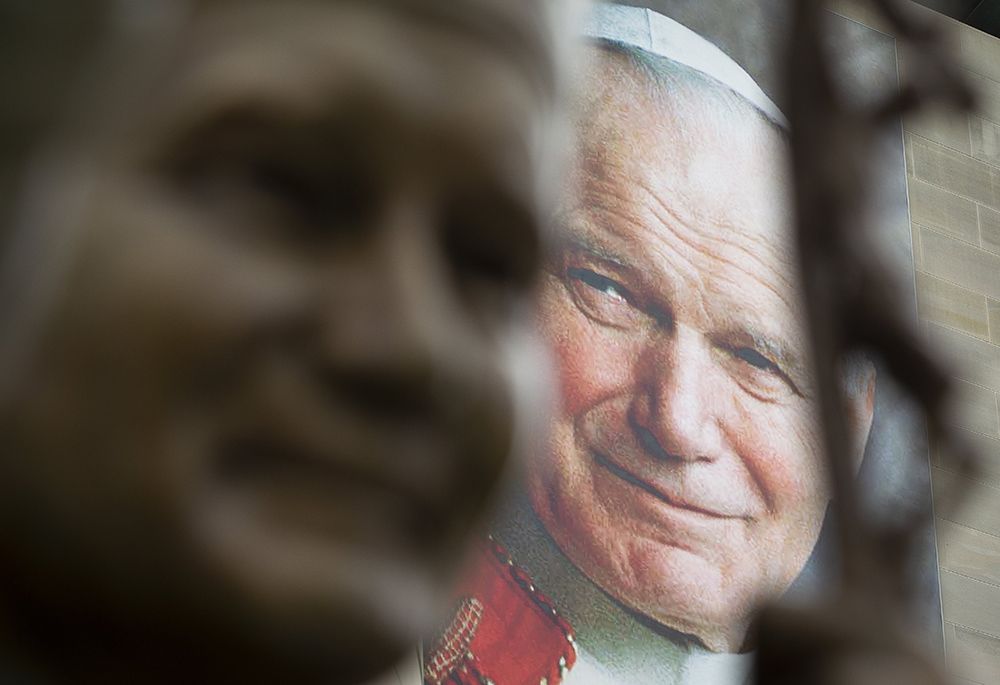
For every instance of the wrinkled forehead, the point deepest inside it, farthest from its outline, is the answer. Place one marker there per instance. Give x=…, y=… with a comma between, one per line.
x=677, y=110
x=685, y=142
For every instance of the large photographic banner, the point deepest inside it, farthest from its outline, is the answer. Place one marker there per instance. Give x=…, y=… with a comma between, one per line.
x=682, y=485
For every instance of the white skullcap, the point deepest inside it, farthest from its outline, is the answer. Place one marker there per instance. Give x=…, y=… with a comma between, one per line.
x=660, y=35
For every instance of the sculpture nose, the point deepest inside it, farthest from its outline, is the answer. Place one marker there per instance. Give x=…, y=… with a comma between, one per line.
x=387, y=337
x=672, y=414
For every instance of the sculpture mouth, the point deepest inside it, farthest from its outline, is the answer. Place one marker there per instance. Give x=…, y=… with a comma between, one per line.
x=341, y=496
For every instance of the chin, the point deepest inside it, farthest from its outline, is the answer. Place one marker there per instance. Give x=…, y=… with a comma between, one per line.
x=317, y=604
x=678, y=590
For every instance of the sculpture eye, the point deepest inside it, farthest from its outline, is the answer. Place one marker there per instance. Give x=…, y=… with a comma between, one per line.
x=294, y=202
x=268, y=178
x=478, y=253
x=286, y=188
x=492, y=244
x=328, y=203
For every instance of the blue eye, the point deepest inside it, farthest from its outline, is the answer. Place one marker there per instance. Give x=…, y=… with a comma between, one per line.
x=754, y=358
x=603, y=299
x=599, y=283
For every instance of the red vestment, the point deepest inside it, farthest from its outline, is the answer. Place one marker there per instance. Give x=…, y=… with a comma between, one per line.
x=504, y=632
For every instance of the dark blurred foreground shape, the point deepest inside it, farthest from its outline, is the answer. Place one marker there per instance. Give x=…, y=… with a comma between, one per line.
x=860, y=637
x=263, y=327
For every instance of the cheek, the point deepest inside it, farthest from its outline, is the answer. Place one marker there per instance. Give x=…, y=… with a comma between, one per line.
x=186, y=295
x=153, y=307
x=149, y=306
x=592, y=361
x=781, y=446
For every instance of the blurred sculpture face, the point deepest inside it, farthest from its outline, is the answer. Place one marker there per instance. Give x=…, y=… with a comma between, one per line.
x=272, y=394
x=685, y=476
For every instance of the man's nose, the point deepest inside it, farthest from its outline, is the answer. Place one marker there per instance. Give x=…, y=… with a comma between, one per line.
x=389, y=334
x=673, y=411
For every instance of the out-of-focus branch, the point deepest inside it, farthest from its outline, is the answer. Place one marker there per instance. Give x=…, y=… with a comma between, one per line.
x=859, y=637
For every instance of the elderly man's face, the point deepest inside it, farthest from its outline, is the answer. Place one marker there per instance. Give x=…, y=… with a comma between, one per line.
x=273, y=392
x=685, y=476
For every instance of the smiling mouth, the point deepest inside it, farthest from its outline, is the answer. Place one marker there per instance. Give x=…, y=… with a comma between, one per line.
x=631, y=479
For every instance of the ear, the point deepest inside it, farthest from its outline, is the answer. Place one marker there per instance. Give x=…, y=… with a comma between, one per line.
x=859, y=408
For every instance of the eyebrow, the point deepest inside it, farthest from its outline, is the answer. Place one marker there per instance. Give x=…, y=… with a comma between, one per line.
x=569, y=238
x=235, y=125
x=260, y=111
x=781, y=350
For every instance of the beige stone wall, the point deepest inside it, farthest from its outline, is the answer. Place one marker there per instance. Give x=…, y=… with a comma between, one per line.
x=953, y=176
